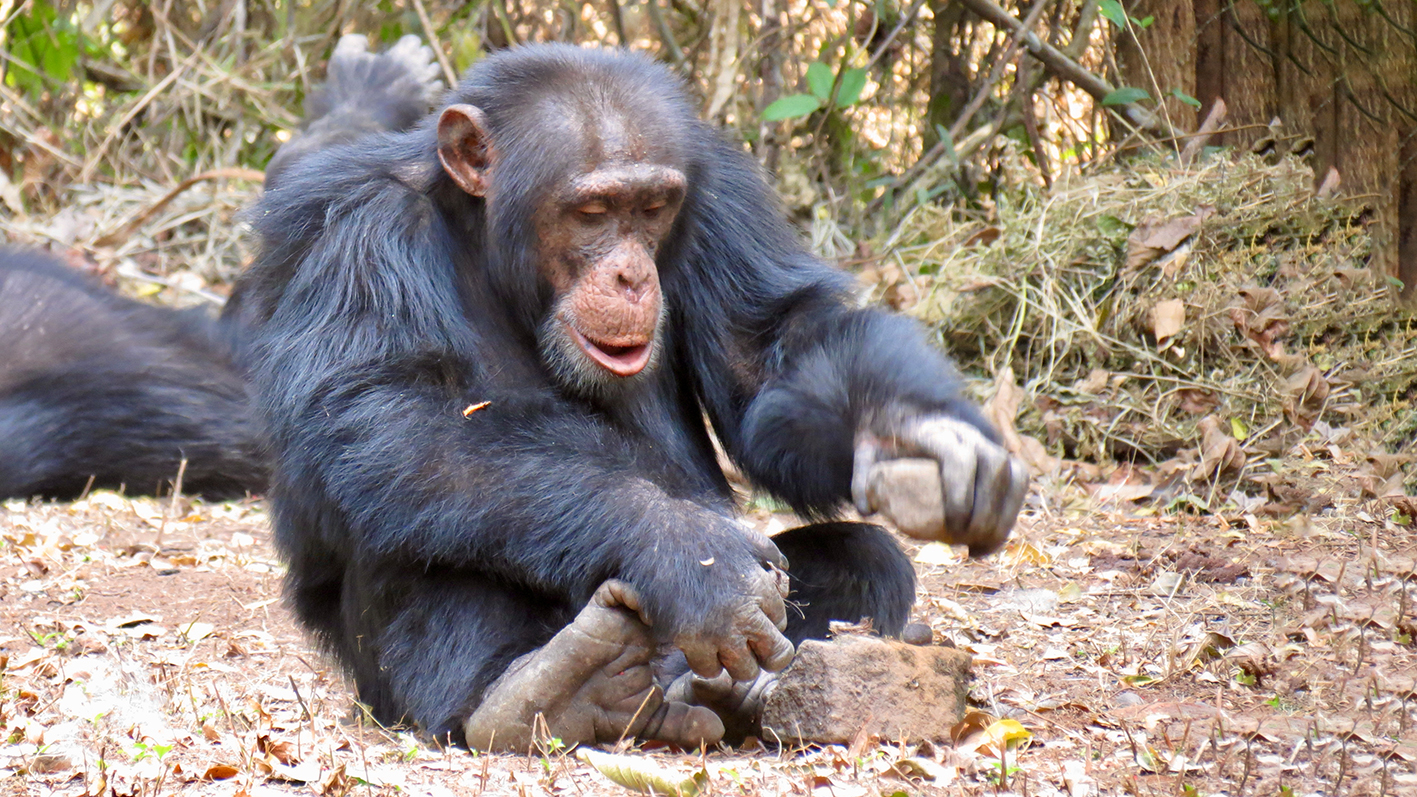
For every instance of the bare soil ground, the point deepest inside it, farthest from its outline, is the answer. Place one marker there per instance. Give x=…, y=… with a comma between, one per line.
x=144, y=650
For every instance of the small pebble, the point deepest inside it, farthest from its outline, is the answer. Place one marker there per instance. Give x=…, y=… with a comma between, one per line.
x=1125, y=699
x=917, y=634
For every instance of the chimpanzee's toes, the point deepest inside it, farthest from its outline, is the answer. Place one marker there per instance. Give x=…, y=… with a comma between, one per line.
x=591, y=683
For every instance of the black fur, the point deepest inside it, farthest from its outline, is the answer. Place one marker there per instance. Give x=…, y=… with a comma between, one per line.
x=93, y=385
x=363, y=93
x=428, y=548
x=96, y=385
x=879, y=584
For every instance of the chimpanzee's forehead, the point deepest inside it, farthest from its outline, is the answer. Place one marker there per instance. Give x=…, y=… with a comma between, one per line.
x=609, y=129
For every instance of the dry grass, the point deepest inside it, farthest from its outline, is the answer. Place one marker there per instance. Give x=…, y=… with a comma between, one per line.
x=1058, y=286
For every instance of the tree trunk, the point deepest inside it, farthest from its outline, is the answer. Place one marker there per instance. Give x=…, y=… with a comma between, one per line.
x=1159, y=59
x=949, y=73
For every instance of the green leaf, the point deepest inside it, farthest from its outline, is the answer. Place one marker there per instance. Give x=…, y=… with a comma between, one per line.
x=1113, y=227
x=791, y=107
x=853, y=82
x=1186, y=98
x=819, y=80
x=1144, y=22
x=1112, y=9
x=1125, y=95
x=948, y=140
x=49, y=46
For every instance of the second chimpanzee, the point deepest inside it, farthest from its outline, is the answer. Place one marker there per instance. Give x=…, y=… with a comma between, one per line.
x=485, y=350
x=100, y=391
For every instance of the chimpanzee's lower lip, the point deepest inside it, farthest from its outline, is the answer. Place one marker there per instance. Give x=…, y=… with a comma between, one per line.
x=618, y=360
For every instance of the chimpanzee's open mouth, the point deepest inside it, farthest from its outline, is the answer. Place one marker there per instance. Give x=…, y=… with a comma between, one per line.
x=618, y=360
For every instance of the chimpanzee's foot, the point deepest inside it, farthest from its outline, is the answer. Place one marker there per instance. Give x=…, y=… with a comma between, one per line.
x=738, y=704
x=591, y=683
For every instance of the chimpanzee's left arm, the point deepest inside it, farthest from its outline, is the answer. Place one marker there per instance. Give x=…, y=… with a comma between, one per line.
x=811, y=394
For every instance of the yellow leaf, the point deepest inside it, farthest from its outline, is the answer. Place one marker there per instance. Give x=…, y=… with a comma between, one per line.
x=1005, y=735
x=641, y=775
x=1024, y=553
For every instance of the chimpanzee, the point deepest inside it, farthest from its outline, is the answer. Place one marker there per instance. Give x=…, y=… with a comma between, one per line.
x=98, y=390
x=485, y=349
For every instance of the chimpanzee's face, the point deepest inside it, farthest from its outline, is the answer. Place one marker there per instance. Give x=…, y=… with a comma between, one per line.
x=598, y=230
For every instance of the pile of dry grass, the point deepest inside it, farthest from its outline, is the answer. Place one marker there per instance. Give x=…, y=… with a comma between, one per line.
x=1138, y=302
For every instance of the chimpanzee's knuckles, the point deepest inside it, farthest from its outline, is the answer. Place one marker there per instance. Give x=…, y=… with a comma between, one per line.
x=968, y=492
x=765, y=549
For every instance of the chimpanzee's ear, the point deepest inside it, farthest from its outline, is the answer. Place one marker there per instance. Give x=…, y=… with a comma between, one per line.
x=464, y=147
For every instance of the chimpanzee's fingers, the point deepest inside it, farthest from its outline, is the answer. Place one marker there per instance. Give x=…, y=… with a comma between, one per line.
x=1011, y=501
x=953, y=444
x=739, y=660
x=772, y=650
x=957, y=471
x=617, y=593
x=868, y=453
x=769, y=590
x=766, y=549
x=987, y=529
x=700, y=653
x=760, y=646
x=996, y=490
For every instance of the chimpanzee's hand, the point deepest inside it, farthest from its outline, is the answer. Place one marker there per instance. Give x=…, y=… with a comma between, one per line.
x=939, y=478
x=723, y=610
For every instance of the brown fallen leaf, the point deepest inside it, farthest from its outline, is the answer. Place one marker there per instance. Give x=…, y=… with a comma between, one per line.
x=1260, y=316
x=1306, y=393
x=338, y=784
x=220, y=772
x=972, y=723
x=1153, y=237
x=1168, y=318
x=279, y=749
x=1220, y=453
x=1197, y=401
x=1095, y=381
x=1001, y=409
x=984, y=237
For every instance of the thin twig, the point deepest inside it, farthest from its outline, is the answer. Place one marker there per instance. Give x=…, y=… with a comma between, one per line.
x=1064, y=67
x=618, y=22
x=900, y=26
x=985, y=91
x=126, y=229
x=137, y=108
x=433, y=42
x=666, y=34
